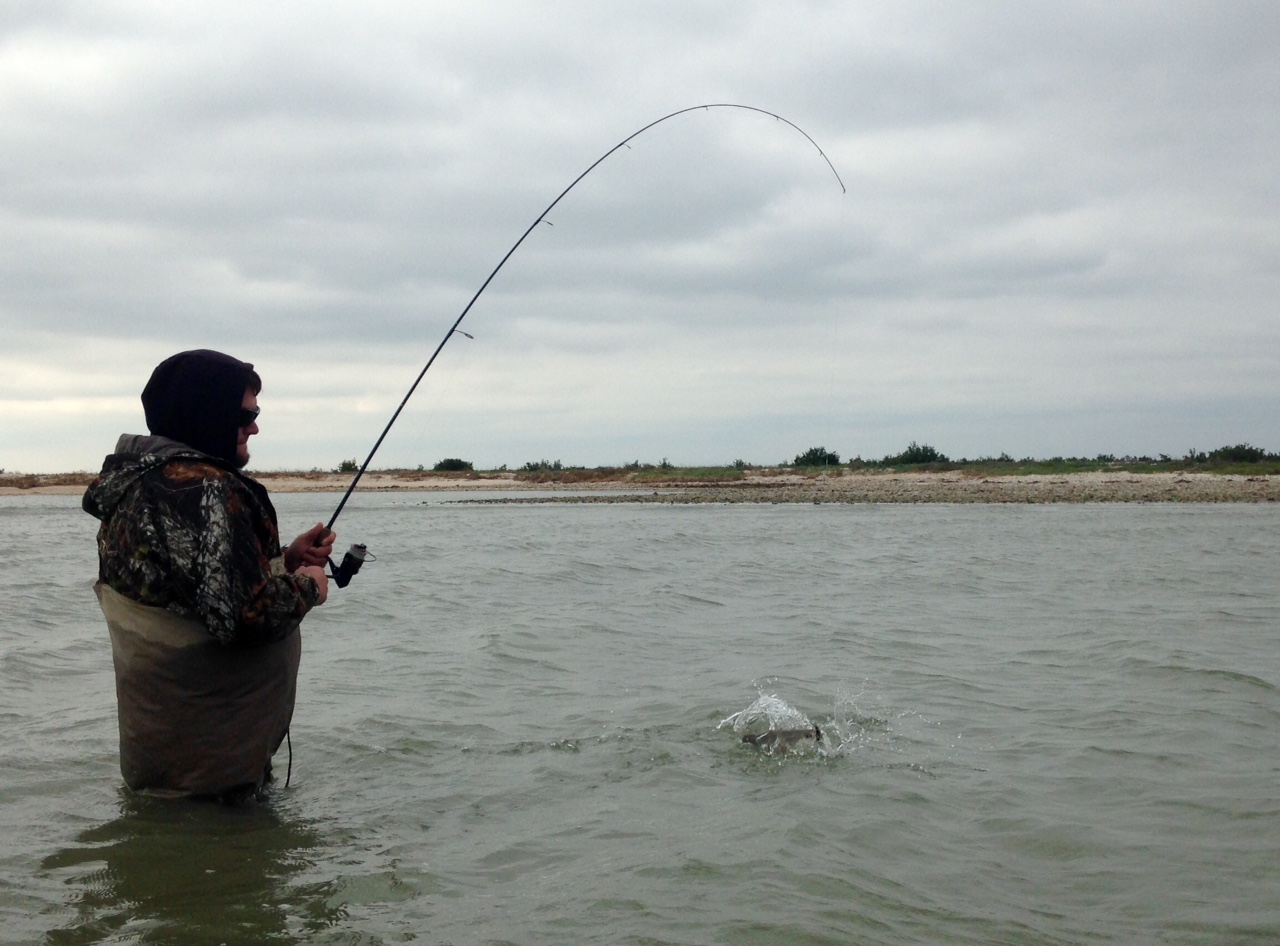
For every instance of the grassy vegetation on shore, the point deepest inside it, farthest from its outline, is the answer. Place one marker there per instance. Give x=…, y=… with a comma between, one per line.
x=1240, y=460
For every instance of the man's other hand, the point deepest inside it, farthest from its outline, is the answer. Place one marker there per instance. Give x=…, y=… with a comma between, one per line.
x=321, y=579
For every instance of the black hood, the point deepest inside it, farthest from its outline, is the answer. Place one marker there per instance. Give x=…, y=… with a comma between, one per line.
x=194, y=398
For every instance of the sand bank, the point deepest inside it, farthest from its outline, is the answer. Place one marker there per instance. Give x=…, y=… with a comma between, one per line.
x=957, y=488
x=770, y=486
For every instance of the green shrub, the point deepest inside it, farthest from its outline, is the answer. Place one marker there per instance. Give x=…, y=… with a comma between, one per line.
x=1240, y=453
x=817, y=456
x=348, y=466
x=453, y=465
x=914, y=454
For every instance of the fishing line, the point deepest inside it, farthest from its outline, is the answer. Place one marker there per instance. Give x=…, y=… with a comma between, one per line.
x=344, y=573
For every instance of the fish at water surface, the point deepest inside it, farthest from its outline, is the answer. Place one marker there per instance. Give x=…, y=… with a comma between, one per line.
x=785, y=740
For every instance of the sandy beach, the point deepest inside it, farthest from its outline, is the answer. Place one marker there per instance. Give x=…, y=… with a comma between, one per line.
x=762, y=486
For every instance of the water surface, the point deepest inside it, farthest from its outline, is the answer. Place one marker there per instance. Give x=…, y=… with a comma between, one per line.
x=1042, y=724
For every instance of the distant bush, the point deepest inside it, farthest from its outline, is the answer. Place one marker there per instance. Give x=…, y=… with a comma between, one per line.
x=817, y=456
x=453, y=465
x=538, y=466
x=915, y=453
x=348, y=466
x=1240, y=453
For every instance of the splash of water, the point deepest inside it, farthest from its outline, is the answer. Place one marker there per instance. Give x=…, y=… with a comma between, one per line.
x=768, y=713
x=846, y=730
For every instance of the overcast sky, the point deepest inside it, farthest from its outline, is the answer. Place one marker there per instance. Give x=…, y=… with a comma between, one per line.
x=1061, y=231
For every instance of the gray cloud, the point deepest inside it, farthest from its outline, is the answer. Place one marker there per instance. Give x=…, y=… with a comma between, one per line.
x=1059, y=236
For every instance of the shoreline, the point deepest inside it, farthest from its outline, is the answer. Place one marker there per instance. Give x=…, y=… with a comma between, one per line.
x=765, y=486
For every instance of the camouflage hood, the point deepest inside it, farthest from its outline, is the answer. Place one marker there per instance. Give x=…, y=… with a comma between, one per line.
x=135, y=456
x=187, y=532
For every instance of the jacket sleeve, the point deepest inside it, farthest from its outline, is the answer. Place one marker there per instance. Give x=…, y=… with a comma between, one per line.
x=237, y=596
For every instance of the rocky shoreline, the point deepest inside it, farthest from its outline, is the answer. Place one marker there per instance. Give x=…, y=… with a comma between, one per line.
x=763, y=486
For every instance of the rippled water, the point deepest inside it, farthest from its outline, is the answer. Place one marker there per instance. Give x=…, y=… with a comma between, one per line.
x=1041, y=724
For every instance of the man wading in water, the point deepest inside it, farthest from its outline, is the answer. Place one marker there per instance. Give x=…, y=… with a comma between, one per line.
x=202, y=604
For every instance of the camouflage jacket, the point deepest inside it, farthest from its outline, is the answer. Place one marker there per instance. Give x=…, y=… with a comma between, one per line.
x=183, y=531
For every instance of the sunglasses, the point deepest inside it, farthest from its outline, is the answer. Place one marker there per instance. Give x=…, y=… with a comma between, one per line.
x=248, y=415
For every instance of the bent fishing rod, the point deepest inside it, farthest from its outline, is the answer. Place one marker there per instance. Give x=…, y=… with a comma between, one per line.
x=357, y=554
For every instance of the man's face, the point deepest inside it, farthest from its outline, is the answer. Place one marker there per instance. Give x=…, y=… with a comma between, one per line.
x=250, y=402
